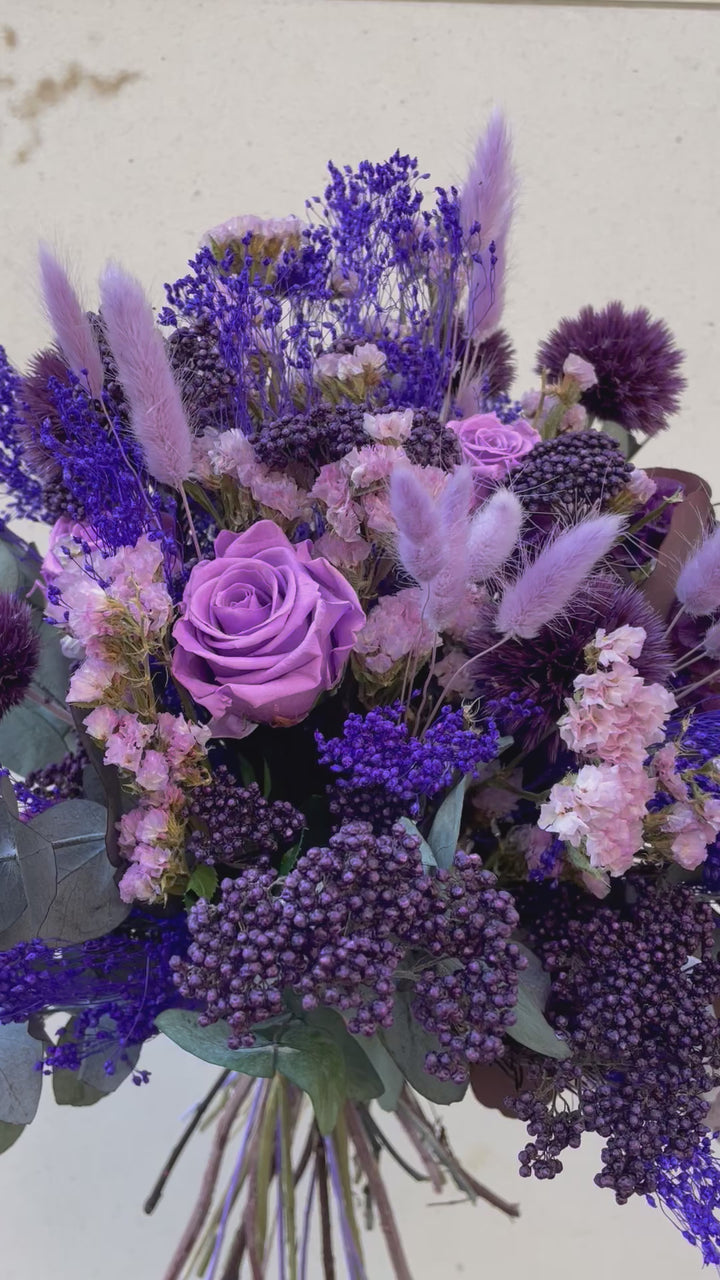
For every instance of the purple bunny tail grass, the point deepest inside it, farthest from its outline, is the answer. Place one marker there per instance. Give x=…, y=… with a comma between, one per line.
x=550, y=582
x=73, y=331
x=419, y=544
x=448, y=588
x=494, y=533
x=698, y=586
x=157, y=416
x=488, y=200
x=711, y=641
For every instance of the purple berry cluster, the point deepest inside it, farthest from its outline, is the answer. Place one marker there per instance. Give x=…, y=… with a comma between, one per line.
x=383, y=773
x=233, y=823
x=577, y=469
x=336, y=930
x=635, y=1011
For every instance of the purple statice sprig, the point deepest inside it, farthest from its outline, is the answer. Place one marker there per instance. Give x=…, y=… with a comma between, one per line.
x=382, y=772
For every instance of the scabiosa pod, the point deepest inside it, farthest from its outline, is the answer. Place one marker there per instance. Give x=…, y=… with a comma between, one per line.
x=73, y=331
x=494, y=533
x=698, y=586
x=543, y=590
x=157, y=416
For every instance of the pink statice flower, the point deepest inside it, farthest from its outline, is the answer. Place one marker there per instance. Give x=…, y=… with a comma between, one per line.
x=332, y=488
x=344, y=555
x=180, y=738
x=693, y=826
x=91, y=680
x=394, y=628
x=601, y=811
x=153, y=773
x=581, y=371
x=389, y=427
x=101, y=722
x=621, y=645
x=138, y=885
x=231, y=454
x=128, y=741
x=641, y=486
x=664, y=768
x=614, y=715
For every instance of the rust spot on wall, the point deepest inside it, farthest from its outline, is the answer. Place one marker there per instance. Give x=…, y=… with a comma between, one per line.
x=50, y=91
x=10, y=38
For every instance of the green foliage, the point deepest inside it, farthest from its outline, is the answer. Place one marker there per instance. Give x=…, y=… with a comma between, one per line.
x=408, y=1045
x=531, y=1028
x=20, y=1081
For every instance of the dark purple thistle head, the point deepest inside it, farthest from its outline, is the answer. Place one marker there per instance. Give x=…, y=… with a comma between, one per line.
x=543, y=669
x=38, y=408
x=635, y=359
x=19, y=651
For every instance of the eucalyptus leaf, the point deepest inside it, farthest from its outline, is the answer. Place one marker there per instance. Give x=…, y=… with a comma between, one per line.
x=31, y=738
x=20, y=1080
x=387, y=1069
x=426, y=853
x=445, y=830
x=211, y=1044
x=87, y=903
x=52, y=674
x=408, y=1045
x=9, y=1134
x=363, y=1083
x=29, y=875
x=9, y=571
x=70, y=1091
x=313, y=1061
x=621, y=436
x=531, y=1028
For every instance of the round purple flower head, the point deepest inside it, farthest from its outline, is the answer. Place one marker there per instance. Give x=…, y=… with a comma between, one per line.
x=635, y=359
x=19, y=651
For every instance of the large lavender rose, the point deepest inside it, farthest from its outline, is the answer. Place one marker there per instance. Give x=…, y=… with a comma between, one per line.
x=264, y=630
x=492, y=447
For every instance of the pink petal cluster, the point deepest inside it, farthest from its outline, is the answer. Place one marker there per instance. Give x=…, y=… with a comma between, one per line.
x=615, y=716
x=231, y=454
x=365, y=361
x=641, y=486
x=394, y=628
x=389, y=427
x=694, y=826
x=160, y=756
x=602, y=809
x=581, y=371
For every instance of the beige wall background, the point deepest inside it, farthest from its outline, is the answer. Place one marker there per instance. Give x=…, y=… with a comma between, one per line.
x=126, y=129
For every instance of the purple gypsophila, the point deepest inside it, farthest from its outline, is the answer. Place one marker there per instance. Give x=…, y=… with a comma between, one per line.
x=383, y=773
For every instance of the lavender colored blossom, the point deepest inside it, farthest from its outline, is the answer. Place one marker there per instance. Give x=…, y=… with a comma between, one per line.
x=635, y=359
x=73, y=330
x=547, y=585
x=19, y=651
x=486, y=208
x=382, y=772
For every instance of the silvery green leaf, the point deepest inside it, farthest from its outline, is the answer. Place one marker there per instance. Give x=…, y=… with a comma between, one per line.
x=408, y=1045
x=28, y=876
x=31, y=738
x=312, y=1060
x=20, y=1081
x=92, y=1067
x=211, y=1043
x=531, y=1028
x=426, y=853
x=53, y=670
x=362, y=1080
x=9, y=571
x=389, y=1072
x=445, y=830
x=70, y=1091
x=9, y=1134
x=87, y=903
